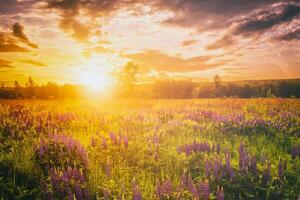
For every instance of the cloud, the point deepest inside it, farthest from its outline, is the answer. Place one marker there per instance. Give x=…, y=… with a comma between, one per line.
x=7, y=44
x=208, y=15
x=18, y=31
x=5, y=64
x=8, y=7
x=77, y=30
x=34, y=62
x=268, y=18
x=12, y=41
x=224, y=41
x=292, y=35
x=277, y=16
x=159, y=61
x=68, y=10
x=188, y=42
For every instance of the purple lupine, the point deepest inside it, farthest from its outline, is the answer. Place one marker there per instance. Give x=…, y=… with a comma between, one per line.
x=194, y=147
x=246, y=160
x=137, y=195
x=70, y=195
x=164, y=189
x=267, y=173
x=104, y=143
x=94, y=142
x=183, y=181
x=78, y=192
x=125, y=141
x=155, y=140
x=227, y=162
x=86, y=193
x=204, y=190
x=191, y=187
x=113, y=138
x=295, y=151
x=54, y=179
x=242, y=156
x=67, y=182
x=207, y=168
x=216, y=169
x=220, y=194
x=253, y=165
x=231, y=173
x=108, y=169
x=280, y=169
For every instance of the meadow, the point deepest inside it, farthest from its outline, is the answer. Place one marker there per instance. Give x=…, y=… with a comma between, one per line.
x=150, y=149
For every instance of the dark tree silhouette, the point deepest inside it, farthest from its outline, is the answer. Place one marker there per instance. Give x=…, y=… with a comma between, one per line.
x=217, y=82
x=30, y=88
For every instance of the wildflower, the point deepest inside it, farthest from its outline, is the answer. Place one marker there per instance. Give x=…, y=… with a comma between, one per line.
x=137, y=195
x=242, y=156
x=78, y=191
x=164, y=189
x=207, y=168
x=204, y=190
x=267, y=174
x=253, y=166
x=191, y=187
x=94, y=142
x=125, y=141
x=220, y=194
x=295, y=151
x=104, y=143
x=280, y=169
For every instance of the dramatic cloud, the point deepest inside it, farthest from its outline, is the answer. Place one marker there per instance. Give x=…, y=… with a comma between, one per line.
x=208, y=15
x=159, y=61
x=263, y=21
x=5, y=64
x=12, y=42
x=18, y=31
x=266, y=19
x=180, y=33
x=34, y=62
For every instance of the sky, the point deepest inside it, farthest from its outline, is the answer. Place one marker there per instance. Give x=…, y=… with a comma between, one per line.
x=86, y=41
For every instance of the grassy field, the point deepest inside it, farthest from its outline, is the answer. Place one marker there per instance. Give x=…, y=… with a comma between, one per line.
x=150, y=149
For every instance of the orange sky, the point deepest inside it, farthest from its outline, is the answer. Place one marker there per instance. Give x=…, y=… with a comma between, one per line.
x=85, y=41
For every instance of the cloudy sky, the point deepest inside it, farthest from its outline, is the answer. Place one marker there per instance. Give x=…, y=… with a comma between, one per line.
x=78, y=41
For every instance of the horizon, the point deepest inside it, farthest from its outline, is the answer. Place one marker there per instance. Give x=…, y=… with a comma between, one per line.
x=83, y=42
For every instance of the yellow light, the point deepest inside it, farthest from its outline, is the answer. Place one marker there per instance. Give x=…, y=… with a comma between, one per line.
x=94, y=74
x=95, y=81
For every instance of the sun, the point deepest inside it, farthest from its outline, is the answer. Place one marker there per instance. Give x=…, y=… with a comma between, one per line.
x=95, y=81
x=95, y=74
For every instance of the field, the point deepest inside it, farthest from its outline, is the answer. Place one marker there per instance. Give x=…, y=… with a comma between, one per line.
x=150, y=149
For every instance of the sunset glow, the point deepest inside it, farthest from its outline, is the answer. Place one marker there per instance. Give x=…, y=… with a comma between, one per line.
x=82, y=42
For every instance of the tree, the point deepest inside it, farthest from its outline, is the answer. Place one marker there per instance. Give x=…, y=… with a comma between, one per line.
x=127, y=78
x=17, y=86
x=30, y=83
x=30, y=87
x=217, y=82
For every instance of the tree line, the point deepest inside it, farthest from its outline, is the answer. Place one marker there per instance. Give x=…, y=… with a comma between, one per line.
x=166, y=89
